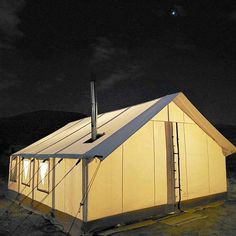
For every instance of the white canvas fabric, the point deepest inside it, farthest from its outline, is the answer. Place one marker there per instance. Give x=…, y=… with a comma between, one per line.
x=116, y=127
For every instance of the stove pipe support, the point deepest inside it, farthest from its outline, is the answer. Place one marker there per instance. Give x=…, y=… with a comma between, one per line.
x=94, y=110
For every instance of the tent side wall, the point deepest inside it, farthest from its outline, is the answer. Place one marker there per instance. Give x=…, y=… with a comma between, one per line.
x=135, y=175
x=65, y=198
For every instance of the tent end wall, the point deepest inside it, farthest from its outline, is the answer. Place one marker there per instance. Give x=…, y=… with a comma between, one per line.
x=62, y=217
x=33, y=205
x=56, y=198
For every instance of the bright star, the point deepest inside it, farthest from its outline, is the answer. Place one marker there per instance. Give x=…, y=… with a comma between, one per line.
x=173, y=13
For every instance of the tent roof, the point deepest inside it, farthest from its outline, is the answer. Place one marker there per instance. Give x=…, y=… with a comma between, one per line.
x=117, y=126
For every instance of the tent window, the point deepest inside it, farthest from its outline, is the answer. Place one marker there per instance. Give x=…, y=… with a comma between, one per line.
x=26, y=172
x=43, y=176
x=13, y=169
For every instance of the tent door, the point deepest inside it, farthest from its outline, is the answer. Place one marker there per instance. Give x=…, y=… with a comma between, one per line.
x=176, y=165
x=173, y=165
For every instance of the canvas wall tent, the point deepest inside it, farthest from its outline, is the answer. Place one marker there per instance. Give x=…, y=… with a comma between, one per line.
x=135, y=170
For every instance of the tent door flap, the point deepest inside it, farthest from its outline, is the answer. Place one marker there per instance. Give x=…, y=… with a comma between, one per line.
x=176, y=166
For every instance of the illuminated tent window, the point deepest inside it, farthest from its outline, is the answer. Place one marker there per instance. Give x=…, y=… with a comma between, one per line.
x=43, y=175
x=26, y=169
x=13, y=169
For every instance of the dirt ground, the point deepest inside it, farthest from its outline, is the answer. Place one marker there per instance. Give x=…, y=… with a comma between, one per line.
x=220, y=220
x=19, y=221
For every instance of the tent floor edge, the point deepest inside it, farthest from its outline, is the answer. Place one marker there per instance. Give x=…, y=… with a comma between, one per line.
x=155, y=212
x=94, y=226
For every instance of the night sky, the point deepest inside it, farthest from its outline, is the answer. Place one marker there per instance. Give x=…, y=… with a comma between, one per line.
x=139, y=50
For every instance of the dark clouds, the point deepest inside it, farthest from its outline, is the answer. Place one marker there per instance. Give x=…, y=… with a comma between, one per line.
x=137, y=50
x=9, y=33
x=9, y=22
x=103, y=50
x=116, y=64
x=8, y=80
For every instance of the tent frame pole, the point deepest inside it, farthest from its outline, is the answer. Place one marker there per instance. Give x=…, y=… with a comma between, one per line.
x=84, y=188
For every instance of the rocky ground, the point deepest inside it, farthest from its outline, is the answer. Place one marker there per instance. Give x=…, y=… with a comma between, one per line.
x=19, y=221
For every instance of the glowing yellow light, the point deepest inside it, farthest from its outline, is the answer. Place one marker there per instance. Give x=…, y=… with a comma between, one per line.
x=43, y=171
x=26, y=165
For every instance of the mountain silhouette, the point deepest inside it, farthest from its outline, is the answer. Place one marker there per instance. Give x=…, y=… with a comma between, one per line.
x=18, y=131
